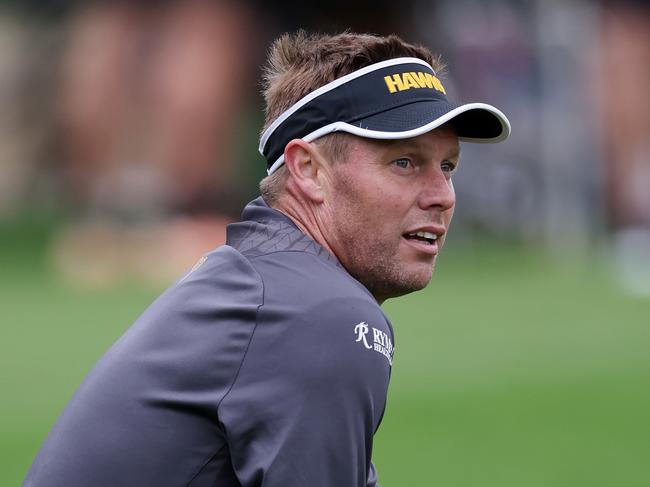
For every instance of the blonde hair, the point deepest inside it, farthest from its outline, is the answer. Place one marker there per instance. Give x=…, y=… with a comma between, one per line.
x=299, y=63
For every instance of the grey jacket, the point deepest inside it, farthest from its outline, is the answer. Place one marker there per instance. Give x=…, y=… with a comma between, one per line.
x=267, y=365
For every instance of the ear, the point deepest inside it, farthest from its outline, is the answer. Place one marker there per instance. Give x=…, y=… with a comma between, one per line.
x=306, y=166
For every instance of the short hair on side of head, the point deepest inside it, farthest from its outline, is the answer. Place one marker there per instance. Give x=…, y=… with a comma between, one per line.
x=299, y=63
x=333, y=145
x=272, y=186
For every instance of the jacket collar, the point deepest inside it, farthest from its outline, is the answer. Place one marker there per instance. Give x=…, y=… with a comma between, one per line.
x=264, y=230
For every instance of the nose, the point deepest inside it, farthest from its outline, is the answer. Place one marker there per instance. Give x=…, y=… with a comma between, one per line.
x=437, y=192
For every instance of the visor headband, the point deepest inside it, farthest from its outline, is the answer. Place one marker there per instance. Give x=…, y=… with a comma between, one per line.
x=344, y=103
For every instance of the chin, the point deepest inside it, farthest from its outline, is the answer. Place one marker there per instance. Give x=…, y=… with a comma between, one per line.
x=395, y=286
x=419, y=276
x=389, y=277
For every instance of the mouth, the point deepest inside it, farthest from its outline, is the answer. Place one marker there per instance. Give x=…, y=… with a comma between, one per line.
x=422, y=240
x=426, y=238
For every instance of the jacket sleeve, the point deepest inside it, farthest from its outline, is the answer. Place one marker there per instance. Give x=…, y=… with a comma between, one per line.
x=372, y=477
x=309, y=396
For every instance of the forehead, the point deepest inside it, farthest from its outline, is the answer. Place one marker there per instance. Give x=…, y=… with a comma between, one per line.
x=442, y=141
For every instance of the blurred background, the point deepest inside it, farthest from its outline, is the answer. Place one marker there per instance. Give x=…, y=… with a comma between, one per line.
x=128, y=140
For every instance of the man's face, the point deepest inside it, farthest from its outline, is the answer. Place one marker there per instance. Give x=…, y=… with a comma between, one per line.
x=389, y=207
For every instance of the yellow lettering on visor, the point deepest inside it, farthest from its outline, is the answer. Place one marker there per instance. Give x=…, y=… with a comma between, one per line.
x=406, y=81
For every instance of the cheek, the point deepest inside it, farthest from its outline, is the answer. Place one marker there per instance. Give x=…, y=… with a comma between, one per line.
x=389, y=214
x=371, y=203
x=448, y=215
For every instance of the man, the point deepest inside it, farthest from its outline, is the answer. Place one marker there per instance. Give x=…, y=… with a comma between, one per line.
x=268, y=364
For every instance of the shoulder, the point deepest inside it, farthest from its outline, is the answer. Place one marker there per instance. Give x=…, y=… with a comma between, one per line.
x=326, y=335
x=224, y=265
x=313, y=318
x=307, y=278
x=197, y=331
x=220, y=278
x=332, y=351
x=311, y=300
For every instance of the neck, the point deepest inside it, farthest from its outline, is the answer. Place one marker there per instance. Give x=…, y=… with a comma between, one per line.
x=304, y=217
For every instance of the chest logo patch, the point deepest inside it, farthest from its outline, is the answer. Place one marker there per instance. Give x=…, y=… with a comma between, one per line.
x=381, y=342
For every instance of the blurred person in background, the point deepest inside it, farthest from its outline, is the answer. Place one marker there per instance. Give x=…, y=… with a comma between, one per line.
x=625, y=79
x=149, y=101
x=150, y=86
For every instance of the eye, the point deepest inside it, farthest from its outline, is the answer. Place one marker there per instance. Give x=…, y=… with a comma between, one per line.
x=403, y=163
x=448, y=167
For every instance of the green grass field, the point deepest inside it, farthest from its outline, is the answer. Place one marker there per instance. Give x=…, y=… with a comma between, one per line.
x=510, y=370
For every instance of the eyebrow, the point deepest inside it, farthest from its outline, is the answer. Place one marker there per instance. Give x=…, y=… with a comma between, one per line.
x=403, y=144
x=456, y=154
